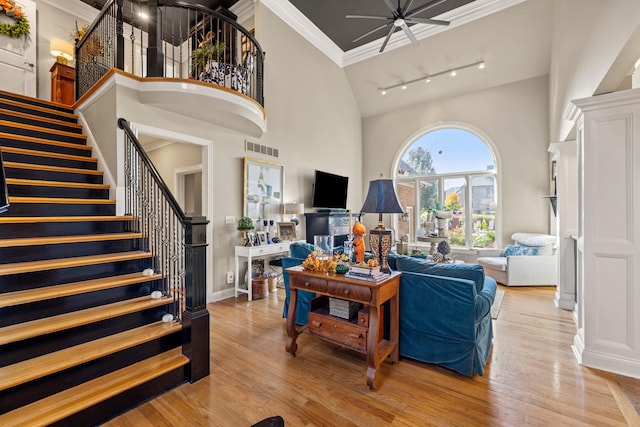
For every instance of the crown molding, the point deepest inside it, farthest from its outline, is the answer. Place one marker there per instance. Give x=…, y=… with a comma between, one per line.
x=307, y=29
x=244, y=10
x=74, y=7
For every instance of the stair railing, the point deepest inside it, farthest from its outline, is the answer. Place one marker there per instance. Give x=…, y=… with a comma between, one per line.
x=174, y=40
x=178, y=244
x=4, y=193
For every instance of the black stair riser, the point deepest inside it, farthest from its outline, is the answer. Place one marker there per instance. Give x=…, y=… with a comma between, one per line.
x=37, y=279
x=55, y=383
x=123, y=402
x=27, y=349
x=29, y=145
x=48, y=114
x=34, y=121
x=65, y=250
x=42, y=133
x=47, y=308
x=18, y=230
x=49, y=161
x=20, y=173
x=54, y=209
x=65, y=192
x=36, y=102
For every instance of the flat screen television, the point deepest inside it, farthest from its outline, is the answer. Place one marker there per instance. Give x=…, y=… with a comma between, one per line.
x=330, y=191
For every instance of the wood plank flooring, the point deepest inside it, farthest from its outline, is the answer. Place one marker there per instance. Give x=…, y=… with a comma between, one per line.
x=531, y=379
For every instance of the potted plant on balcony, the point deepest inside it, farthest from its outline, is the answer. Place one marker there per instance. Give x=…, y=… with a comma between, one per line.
x=207, y=51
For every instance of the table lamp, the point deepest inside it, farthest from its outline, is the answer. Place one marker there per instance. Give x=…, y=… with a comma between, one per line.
x=381, y=199
x=294, y=209
x=62, y=50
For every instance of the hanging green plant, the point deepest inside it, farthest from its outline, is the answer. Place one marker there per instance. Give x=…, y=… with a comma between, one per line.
x=20, y=27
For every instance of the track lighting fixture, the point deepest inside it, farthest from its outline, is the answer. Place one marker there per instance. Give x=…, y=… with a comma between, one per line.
x=427, y=78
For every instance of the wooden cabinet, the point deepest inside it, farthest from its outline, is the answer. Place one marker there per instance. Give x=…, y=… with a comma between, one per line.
x=63, y=84
x=364, y=333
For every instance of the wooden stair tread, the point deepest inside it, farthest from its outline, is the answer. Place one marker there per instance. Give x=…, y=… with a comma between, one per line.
x=30, y=166
x=54, y=240
x=66, y=184
x=76, y=288
x=43, y=130
x=42, y=107
x=48, y=325
x=39, y=219
x=51, y=264
x=61, y=405
x=4, y=135
x=61, y=200
x=52, y=155
x=39, y=367
x=40, y=118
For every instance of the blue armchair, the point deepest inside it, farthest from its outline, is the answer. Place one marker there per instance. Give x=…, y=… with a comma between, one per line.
x=445, y=314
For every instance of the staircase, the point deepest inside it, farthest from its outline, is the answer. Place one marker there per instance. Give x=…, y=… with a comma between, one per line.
x=81, y=338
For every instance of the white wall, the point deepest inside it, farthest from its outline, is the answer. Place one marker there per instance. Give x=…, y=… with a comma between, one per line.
x=514, y=117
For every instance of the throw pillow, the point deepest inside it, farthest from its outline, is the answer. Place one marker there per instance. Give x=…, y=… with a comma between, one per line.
x=512, y=250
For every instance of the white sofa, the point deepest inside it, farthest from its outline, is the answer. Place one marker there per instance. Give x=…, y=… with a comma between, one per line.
x=538, y=268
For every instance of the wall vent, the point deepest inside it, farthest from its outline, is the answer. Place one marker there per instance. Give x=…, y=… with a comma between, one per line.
x=259, y=148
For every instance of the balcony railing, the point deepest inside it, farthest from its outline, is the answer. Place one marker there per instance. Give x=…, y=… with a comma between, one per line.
x=158, y=38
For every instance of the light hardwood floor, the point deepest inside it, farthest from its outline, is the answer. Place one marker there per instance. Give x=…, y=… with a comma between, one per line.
x=531, y=378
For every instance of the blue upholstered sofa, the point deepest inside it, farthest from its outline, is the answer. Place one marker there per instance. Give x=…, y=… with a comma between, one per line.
x=445, y=310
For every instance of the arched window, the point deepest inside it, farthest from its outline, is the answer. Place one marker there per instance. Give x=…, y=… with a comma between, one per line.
x=448, y=169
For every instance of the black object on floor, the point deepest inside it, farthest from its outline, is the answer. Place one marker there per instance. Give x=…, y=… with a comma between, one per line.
x=276, y=421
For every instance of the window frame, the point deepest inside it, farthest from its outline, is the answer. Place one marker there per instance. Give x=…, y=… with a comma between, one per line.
x=466, y=175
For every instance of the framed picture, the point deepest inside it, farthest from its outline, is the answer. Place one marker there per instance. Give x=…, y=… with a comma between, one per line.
x=261, y=237
x=251, y=238
x=554, y=170
x=263, y=189
x=287, y=230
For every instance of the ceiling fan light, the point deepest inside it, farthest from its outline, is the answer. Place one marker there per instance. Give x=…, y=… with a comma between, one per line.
x=398, y=22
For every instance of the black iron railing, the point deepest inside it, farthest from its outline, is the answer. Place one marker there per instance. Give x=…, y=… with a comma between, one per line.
x=172, y=39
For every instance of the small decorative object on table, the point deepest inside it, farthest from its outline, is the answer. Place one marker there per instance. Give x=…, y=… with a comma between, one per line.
x=244, y=225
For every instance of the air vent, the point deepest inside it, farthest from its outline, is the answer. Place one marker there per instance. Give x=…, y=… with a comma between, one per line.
x=259, y=148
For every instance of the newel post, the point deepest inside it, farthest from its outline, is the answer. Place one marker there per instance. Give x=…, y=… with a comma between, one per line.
x=195, y=319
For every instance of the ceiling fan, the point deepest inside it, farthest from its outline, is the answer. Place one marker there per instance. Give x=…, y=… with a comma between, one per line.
x=401, y=17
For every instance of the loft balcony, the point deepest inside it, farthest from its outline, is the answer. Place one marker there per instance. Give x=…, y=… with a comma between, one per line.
x=184, y=58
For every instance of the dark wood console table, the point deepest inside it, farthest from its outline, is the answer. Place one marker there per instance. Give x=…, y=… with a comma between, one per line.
x=365, y=333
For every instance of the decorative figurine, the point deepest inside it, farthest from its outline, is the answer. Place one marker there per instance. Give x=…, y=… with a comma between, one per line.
x=358, y=243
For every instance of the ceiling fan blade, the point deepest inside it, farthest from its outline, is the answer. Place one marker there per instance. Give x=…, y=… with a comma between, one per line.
x=407, y=5
x=372, y=31
x=386, y=40
x=391, y=6
x=368, y=17
x=427, y=21
x=409, y=34
x=424, y=8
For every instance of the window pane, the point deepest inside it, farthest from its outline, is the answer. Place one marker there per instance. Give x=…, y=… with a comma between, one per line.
x=428, y=197
x=483, y=191
x=455, y=189
x=407, y=197
x=446, y=151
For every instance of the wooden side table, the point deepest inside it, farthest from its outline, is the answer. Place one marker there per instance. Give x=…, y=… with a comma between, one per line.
x=365, y=334
x=63, y=84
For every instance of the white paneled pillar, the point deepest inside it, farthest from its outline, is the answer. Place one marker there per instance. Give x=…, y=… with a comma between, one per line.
x=565, y=163
x=608, y=336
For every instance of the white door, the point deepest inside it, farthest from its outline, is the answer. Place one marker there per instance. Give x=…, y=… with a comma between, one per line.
x=18, y=55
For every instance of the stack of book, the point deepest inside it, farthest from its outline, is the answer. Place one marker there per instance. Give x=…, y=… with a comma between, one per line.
x=372, y=274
